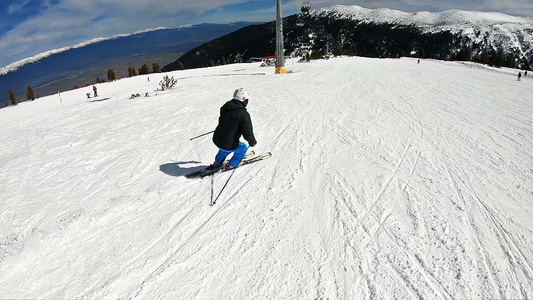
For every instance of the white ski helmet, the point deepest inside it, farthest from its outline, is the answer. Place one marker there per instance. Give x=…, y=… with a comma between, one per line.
x=241, y=94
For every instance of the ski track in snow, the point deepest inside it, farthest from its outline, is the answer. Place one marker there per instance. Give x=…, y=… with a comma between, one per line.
x=389, y=180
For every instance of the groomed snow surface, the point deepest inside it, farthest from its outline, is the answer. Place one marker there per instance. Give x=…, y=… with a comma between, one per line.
x=389, y=180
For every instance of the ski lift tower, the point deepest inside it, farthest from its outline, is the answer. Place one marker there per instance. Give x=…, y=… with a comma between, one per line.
x=280, y=58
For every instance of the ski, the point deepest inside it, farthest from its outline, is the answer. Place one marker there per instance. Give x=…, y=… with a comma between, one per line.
x=245, y=162
x=252, y=160
x=205, y=172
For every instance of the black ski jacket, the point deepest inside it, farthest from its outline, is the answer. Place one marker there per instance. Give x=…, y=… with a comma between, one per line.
x=233, y=122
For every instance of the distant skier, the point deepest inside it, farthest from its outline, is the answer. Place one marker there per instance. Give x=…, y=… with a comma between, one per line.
x=94, y=90
x=525, y=73
x=88, y=95
x=233, y=122
x=519, y=76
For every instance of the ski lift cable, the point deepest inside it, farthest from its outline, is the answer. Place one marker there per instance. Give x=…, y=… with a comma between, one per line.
x=290, y=3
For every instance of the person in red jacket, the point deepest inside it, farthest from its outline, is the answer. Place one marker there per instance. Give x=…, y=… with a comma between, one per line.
x=94, y=90
x=234, y=122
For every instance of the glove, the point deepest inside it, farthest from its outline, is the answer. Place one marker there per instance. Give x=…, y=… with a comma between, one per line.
x=253, y=144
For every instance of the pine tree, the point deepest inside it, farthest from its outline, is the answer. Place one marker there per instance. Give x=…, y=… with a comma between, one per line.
x=510, y=61
x=316, y=54
x=12, y=97
x=211, y=63
x=338, y=49
x=485, y=58
x=465, y=54
x=180, y=65
x=30, y=95
x=156, y=67
x=111, y=75
x=132, y=72
x=500, y=58
x=308, y=56
x=144, y=70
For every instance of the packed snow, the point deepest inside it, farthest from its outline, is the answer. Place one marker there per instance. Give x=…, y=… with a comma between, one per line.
x=389, y=179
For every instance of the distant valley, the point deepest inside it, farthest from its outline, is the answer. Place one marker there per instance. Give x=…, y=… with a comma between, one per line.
x=82, y=66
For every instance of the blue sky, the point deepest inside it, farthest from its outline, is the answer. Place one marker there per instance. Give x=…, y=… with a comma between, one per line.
x=30, y=27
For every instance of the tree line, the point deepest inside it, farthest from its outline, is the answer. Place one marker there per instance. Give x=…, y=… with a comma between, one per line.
x=355, y=37
x=30, y=95
x=494, y=58
x=111, y=76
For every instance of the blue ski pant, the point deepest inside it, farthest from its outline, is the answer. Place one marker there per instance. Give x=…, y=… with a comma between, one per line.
x=238, y=154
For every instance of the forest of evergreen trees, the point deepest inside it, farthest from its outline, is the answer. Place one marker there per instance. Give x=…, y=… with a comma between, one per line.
x=329, y=34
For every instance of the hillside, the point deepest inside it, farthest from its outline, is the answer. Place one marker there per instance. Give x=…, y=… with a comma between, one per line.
x=389, y=180
x=490, y=38
x=80, y=65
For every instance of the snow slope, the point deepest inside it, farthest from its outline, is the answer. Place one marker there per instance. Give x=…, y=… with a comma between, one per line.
x=389, y=180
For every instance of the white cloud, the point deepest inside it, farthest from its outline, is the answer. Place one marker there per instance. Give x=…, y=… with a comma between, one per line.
x=17, y=6
x=14, y=66
x=69, y=22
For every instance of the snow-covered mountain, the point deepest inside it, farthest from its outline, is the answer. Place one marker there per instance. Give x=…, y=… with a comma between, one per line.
x=389, y=180
x=490, y=38
x=490, y=29
x=451, y=18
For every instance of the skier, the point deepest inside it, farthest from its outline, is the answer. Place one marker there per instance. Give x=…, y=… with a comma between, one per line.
x=233, y=122
x=525, y=73
x=95, y=93
x=519, y=75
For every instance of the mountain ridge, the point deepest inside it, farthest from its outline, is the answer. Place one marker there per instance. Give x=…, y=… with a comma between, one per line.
x=381, y=33
x=474, y=24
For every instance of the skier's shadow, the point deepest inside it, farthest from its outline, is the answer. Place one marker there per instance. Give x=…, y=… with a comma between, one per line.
x=99, y=100
x=177, y=169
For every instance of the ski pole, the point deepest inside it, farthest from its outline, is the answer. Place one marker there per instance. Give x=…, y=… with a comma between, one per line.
x=201, y=135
